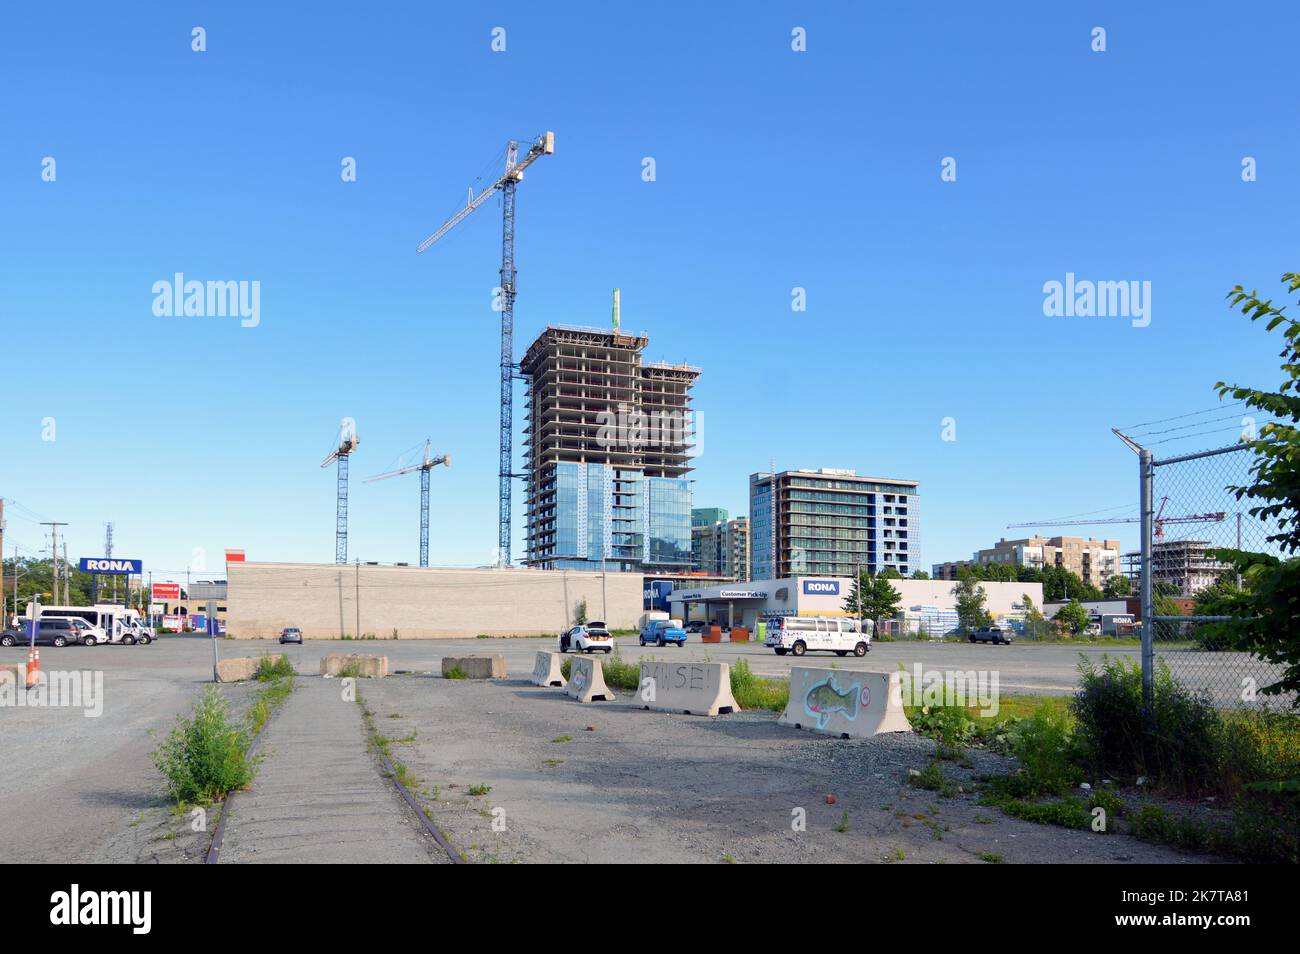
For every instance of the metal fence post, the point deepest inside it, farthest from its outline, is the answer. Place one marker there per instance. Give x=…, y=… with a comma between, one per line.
x=1148, y=610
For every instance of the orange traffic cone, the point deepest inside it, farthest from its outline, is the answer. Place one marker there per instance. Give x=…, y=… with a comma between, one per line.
x=33, y=667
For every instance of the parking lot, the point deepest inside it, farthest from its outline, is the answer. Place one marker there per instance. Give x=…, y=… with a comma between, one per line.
x=623, y=785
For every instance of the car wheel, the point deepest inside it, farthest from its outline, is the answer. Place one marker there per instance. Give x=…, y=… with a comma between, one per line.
x=641, y=641
x=798, y=649
x=6, y=640
x=841, y=652
x=59, y=641
x=145, y=640
x=861, y=649
x=780, y=652
x=660, y=642
x=128, y=640
x=972, y=639
x=89, y=641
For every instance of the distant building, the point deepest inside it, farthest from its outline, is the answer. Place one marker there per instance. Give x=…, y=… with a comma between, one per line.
x=1093, y=561
x=1185, y=565
x=831, y=522
x=721, y=548
x=608, y=447
x=707, y=516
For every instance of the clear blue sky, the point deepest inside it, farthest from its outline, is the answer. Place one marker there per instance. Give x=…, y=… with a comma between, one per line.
x=775, y=169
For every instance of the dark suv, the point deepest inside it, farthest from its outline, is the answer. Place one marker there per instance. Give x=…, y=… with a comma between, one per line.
x=49, y=632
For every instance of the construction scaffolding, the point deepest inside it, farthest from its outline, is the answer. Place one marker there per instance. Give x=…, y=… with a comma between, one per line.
x=592, y=401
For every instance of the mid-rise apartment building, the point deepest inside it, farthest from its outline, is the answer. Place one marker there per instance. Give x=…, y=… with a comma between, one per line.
x=830, y=522
x=1093, y=561
x=720, y=548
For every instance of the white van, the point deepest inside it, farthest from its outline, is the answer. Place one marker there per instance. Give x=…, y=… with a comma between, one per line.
x=797, y=635
x=114, y=623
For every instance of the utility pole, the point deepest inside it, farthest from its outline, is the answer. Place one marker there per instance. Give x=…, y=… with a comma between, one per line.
x=54, y=554
x=358, y=597
x=67, y=577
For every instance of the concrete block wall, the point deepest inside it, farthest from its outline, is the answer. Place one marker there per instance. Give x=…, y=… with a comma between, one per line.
x=324, y=600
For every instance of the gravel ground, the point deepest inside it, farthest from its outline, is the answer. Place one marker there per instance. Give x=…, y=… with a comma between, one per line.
x=635, y=786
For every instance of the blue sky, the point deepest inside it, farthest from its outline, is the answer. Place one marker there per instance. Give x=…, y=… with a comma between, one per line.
x=775, y=169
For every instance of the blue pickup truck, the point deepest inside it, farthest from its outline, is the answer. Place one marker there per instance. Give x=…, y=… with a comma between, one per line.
x=660, y=632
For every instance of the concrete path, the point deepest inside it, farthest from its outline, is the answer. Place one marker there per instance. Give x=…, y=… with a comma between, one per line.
x=318, y=797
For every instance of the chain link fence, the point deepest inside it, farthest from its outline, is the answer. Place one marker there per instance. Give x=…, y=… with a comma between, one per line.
x=1188, y=511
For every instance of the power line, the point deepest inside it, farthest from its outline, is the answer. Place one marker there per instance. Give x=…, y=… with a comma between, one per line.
x=1179, y=417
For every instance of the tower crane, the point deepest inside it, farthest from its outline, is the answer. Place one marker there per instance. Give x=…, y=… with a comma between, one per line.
x=1158, y=521
x=543, y=145
x=424, y=466
x=347, y=444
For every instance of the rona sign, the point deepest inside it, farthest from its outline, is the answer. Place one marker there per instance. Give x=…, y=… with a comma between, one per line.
x=111, y=565
x=821, y=587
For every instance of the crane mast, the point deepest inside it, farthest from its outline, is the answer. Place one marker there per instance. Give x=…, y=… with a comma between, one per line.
x=543, y=145
x=424, y=466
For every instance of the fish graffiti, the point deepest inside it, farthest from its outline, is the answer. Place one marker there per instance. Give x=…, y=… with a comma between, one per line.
x=825, y=700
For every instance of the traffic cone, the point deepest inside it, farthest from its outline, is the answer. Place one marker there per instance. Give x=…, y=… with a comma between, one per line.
x=33, y=667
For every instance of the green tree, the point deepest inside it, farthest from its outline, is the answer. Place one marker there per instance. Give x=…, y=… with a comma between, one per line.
x=1000, y=572
x=1267, y=610
x=889, y=573
x=1117, y=587
x=873, y=598
x=1073, y=617
x=971, y=598
x=1060, y=584
x=1032, y=613
x=580, y=612
x=920, y=575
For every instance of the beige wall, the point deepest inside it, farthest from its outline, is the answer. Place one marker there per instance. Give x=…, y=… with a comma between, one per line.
x=418, y=603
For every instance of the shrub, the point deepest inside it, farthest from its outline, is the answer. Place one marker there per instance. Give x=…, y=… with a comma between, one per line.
x=620, y=674
x=755, y=692
x=1177, y=742
x=455, y=672
x=1046, y=749
x=273, y=667
x=203, y=758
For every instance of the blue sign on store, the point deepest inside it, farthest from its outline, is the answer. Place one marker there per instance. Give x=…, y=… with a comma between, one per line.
x=821, y=587
x=111, y=565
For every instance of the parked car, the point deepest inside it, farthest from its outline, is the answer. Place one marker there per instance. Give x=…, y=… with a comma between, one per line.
x=291, y=634
x=696, y=626
x=991, y=634
x=587, y=637
x=1092, y=629
x=50, y=632
x=797, y=635
x=660, y=632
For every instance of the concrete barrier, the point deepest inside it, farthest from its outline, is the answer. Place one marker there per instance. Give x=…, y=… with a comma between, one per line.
x=587, y=681
x=694, y=688
x=477, y=666
x=367, y=667
x=240, y=668
x=546, y=670
x=845, y=702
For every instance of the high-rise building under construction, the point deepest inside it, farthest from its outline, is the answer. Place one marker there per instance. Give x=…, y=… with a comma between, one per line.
x=608, y=447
